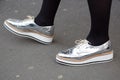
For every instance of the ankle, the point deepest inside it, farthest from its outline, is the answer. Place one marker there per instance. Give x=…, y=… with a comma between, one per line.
x=97, y=42
x=42, y=23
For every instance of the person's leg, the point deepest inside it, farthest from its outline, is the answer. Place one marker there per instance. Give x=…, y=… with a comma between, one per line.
x=100, y=15
x=97, y=47
x=40, y=28
x=47, y=13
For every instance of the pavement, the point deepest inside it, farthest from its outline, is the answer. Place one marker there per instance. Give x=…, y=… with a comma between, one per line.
x=26, y=59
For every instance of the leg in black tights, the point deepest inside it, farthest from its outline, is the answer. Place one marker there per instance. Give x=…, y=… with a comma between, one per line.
x=47, y=13
x=100, y=15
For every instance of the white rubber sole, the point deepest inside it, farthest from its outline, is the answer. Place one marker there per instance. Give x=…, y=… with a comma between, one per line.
x=95, y=60
x=35, y=36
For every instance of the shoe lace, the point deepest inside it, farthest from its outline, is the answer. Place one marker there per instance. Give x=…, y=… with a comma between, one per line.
x=80, y=42
x=30, y=17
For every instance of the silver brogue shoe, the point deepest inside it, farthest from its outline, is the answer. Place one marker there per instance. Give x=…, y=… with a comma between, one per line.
x=28, y=28
x=84, y=53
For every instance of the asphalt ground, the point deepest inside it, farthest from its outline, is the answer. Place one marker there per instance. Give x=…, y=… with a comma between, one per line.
x=26, y=59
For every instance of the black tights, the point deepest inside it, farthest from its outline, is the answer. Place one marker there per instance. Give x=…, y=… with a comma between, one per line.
x=47, y=13
x=100, y=15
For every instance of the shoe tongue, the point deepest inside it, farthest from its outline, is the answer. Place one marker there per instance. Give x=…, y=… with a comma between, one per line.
x=85, y=42
x=89, y=43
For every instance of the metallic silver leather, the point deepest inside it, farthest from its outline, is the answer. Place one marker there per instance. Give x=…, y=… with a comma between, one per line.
x=78, y=52
x=29, y=24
